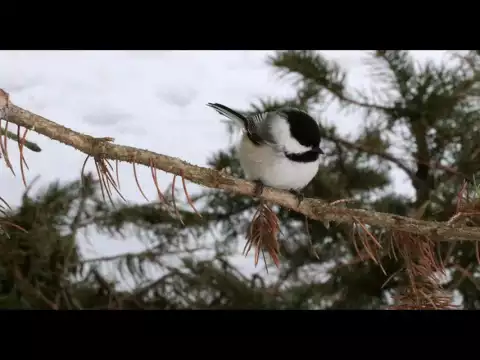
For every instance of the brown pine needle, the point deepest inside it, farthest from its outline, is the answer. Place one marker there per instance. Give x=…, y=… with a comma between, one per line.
x=460, y=195
x=477, y=252
x=392, y=251
x=265, y=260
x=262, y=234
x=5, y=222
x=22, y=157
x=6, y=138
x=309, y=237
x=161, y=197
x=466, y=274
x=190, y=202
x=109, y=177
x=21, y=143
x=364, y=235
x=1, y=132
x=116, y=173
x=105, y=178
x=6, y=204
x=390, y=278
x=3, y=148
x=174, y=202
x=101, y=173
x=106, y=162
x=100, y=178
x=82, y=172
x=420, y=266
x=136, y=180
x=368, y=232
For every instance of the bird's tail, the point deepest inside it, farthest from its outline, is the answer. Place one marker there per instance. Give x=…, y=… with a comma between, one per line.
x=238, y=118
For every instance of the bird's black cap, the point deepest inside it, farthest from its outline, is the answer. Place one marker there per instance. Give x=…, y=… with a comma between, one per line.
x=303, y=128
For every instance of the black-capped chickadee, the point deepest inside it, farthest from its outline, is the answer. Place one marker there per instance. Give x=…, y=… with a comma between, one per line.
x=278, y=149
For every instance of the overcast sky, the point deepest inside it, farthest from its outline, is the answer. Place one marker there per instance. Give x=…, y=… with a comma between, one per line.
x=148, y=99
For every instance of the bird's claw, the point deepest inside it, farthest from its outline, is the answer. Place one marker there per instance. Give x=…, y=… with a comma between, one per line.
x=298, y=195
x=258, y=188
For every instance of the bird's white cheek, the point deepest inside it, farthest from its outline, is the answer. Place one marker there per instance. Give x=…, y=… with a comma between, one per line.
x=292, y=146
x=280, y=130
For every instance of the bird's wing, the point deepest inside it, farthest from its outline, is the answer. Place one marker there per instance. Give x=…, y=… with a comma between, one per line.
x=262, y=123
x=256, y=126
x=239, y=119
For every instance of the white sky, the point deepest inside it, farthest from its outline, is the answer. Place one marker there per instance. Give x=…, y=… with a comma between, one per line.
x=147, y=99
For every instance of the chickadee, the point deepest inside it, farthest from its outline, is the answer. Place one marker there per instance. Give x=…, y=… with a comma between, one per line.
x=278, y=149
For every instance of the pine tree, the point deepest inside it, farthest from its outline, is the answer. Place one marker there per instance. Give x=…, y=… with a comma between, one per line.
x=420, y=120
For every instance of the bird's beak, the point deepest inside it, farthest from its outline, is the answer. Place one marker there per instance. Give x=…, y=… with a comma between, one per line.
x=318, y=150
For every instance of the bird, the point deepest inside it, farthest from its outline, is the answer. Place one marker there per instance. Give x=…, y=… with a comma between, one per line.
x=279, y=149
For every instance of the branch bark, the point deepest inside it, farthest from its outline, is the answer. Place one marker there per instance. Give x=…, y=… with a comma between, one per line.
x=313, y=208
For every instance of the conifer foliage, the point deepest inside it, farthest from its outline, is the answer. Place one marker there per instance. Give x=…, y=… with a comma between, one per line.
x=417, y=121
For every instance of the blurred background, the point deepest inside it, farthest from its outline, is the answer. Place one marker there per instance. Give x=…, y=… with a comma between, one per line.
x=401, y=133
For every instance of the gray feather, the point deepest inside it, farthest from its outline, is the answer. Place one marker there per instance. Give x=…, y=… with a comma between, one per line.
x=257, y=126
x=262, y=123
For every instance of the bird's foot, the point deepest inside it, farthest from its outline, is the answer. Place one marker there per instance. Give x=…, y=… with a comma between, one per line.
x=298, y=195
x=258, y=188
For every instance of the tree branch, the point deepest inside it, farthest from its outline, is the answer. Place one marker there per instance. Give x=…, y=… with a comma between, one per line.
x=28, y=144
x=313, y=208
x=372, y=151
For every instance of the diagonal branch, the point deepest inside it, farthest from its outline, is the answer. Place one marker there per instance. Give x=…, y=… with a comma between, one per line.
x=313, y=208
x=370, y=150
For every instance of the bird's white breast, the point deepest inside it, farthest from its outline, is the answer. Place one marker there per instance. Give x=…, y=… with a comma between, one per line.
x=274, y=169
